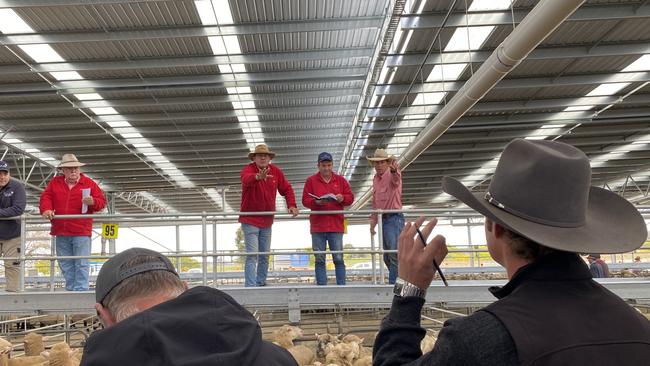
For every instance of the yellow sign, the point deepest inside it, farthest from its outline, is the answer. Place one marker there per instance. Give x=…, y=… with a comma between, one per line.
x=345, y=226
x=109, y=231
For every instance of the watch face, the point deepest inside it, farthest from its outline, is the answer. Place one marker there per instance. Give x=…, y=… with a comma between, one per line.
x=397, y=290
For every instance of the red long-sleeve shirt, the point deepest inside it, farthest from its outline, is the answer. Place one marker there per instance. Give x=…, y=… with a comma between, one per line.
x=67, y=201
x=316, y=185
x=259, y=195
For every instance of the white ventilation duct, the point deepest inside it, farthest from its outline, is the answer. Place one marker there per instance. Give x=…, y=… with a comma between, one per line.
x=533, y=29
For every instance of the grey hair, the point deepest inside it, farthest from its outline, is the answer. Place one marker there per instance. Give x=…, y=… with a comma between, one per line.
x=121, y=301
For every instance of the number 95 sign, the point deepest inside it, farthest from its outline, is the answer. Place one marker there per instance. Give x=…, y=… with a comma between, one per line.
x=109, y=231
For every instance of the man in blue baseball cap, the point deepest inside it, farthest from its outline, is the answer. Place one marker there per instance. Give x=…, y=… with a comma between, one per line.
x=327, y=191
x=12, y=203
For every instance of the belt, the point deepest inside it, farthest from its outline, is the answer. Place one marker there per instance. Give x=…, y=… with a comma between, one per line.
x=392, y=214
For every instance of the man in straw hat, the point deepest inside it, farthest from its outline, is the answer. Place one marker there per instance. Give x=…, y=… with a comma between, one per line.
x=540, y=211
x=72, y=194
x=387, y=195
x=260, y=181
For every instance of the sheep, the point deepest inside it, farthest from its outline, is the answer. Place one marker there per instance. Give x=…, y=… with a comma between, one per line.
x=427, y=343
x=27, y=361
x=302, y=354
x=285, y=335
x=363, y=361
x=33, y=344
x=342, y=354
x=325, y=343
x=359, y=349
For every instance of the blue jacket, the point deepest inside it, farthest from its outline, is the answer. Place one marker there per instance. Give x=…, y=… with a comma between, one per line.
x=12, y=203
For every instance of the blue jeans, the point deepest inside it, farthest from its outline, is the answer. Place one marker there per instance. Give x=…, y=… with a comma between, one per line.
x=75, y=271
x=257, y=240
x=392, y=225
x=319, y=243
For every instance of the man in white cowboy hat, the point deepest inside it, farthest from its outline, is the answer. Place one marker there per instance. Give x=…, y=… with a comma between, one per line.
x=12, y=203
x=387, y=195
x=260, y=181
x=540, y=211
x=72, y=194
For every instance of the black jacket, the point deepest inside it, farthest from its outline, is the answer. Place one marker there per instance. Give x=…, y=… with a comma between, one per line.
x=201, y=327
x=12, y=203
x=531, y=322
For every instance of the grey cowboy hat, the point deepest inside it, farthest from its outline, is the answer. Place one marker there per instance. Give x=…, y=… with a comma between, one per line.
x=542, y=191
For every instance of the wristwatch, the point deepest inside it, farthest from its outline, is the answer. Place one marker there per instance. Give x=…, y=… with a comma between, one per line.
x=405, y=289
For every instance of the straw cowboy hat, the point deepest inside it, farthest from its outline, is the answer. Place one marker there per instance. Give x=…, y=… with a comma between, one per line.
x=380, y=155
x=542, y=190
x=261, y=149
x=70, y=161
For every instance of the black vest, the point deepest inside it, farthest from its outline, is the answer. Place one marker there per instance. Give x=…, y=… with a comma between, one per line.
x=557, y=315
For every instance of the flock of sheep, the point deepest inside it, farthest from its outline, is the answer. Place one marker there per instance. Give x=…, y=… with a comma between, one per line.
x=35, y=354
x=329, y=349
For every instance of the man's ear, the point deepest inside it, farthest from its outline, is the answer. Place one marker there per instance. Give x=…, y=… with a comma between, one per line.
x=104, y=315
x=185, y=285
x=499, y=230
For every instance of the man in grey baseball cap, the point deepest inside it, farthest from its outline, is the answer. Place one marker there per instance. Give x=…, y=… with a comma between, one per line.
x=12, y=203
x=540, y=212
x=152, y=319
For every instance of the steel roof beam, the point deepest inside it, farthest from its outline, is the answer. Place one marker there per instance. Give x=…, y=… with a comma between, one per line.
x=547, y=53
x=520, y=82
x=193, y=61
x=313, y=25
x=585, y=13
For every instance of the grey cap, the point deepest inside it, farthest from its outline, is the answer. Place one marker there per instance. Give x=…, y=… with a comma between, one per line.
x=113, y=271
x=4, y=165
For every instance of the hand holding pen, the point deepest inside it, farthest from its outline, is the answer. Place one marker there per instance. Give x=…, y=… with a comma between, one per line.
x=418, y=260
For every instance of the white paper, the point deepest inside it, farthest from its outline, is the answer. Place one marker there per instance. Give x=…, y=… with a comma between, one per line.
x=85, y=192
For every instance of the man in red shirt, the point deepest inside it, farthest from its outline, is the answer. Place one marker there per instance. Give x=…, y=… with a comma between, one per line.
x=72, y=194
x=335, y=193
x=260, y=181
x=387, y=195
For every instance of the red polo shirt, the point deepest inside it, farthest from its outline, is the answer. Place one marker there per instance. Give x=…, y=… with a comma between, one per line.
x=259, y=195
x=316, y=185
x=67, y=201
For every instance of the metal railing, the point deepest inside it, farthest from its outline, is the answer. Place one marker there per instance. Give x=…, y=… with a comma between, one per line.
x=453, y=216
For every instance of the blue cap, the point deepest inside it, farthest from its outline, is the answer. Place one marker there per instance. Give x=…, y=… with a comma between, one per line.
x=4, y=166
x=325, y=156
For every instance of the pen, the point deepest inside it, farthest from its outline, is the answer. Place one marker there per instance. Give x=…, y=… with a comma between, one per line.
x=435, y=265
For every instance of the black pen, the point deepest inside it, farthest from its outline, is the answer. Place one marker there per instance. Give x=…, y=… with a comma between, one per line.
x=435, y=265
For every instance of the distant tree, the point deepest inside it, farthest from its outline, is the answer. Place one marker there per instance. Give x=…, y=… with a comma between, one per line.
x=240, y=245
x=188, y=263
x=347, y=247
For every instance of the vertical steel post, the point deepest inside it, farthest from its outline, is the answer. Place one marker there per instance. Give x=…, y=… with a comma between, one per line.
x=204, y=246
x=469, y=242
x=214, y=252
x=21, y=255
x=380, y=239
x=178, y=246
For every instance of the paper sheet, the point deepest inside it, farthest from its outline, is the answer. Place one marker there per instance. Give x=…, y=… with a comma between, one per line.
x=85, y=192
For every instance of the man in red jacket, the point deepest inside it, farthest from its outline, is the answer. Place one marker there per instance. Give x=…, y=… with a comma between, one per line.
x=327, y=191
x=260, y=181
x=72, y=194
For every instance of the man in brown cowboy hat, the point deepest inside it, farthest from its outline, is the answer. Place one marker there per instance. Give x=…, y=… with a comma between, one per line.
x=387, y=195
x=540, y=211
x=260, y=181
x=72, y=194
